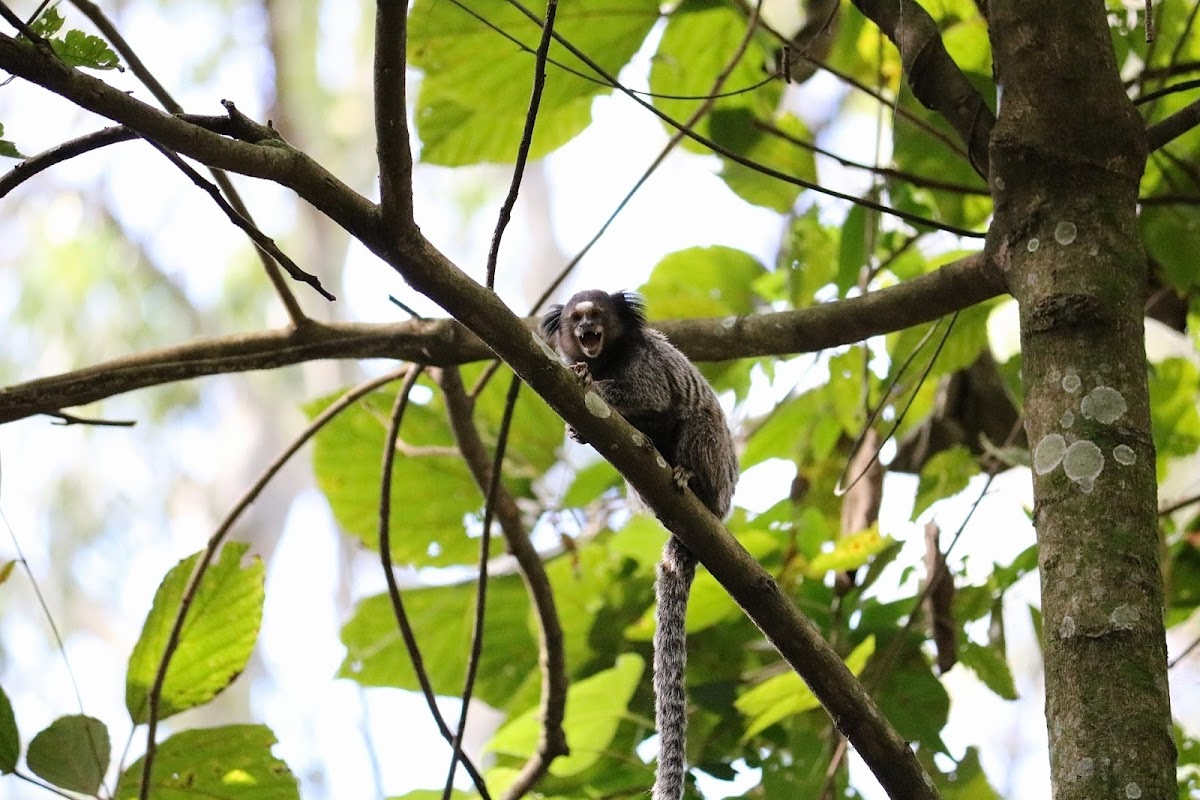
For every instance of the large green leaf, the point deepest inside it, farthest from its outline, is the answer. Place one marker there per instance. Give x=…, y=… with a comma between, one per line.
x=774, y=148
x=442, y=619
x=786, y=694
x=702, y=282
x=595, y=708
x=473, y=99
x=217, y=636
x=945, y=474
x=990, y=666
x=72, y=753
x=432, y=490
x=10, y=737
x=233, y=762
x=700, y=40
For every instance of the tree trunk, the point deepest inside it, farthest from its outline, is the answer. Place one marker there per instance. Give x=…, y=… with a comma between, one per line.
x=1067, y=154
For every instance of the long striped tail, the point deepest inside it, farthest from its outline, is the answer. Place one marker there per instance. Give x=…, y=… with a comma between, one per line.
x=675, y=573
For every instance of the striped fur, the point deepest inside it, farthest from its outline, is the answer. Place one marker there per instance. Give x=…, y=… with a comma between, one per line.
x=662, y=394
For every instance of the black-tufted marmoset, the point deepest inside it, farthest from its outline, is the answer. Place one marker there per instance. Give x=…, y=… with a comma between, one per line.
x=604, y=338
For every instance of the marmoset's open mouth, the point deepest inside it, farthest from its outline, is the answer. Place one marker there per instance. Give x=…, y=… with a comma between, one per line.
x=591, y=342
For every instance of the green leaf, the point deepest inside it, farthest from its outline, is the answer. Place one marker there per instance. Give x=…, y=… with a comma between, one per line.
x=10, y=737
x=6, y=569
x=778, y=153
x=915, y=701
x=79, y=49
x=852, y=255
x=442, y=619
x=432, y=489
x=72, y=753
x=849, y=552
x=967, y=781
x=595, y=708
x=473, y=100
x=214, y=643
x=233, y=762
x=943, y=475
x=591, y=482
x=49, y=23
x=990, y=667
x=700, y=39
x=1174, y=418
x=708, y=602
x=7, y=148
x=786, y=694
x=810, y=259
x=702, y=282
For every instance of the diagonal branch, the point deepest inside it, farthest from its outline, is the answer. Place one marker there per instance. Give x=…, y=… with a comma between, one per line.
x=1166, y=130
x=392, y=144
x=934, y=77
x=257, y=151
x=270, y=262
x=789, y=631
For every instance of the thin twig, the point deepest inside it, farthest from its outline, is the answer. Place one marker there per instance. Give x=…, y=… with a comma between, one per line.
x=552, y=743
x=98, y=18
x=839, y=489
x=535, y=100
x=214, y=543
x=737, y=158
x=259, y=238
x=385, y=560
x=485, y=543
x=62, y=418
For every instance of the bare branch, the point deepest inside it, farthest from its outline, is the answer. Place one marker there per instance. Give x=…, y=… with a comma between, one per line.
x=214, y=544
x=392, y=145
x=143, y=74
x=385, y=560
x=260, y=153
x=445, y=342
x=535, y=100
x=1163, y=132
x=552, y=656
x=934, y=77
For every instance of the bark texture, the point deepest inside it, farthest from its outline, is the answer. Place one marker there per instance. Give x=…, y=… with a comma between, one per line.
x=1067, y=153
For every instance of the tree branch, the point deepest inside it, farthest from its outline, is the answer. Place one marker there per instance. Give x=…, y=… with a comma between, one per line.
x=392, y=145
x=934, y=77
x=270, y=262
x=551, y=651
x=257, y=151
x=792, y=634
x=445, y=342
x=1166, y=130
